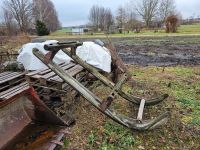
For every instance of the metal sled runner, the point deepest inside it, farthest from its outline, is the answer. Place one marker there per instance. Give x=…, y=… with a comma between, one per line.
x=102, y=105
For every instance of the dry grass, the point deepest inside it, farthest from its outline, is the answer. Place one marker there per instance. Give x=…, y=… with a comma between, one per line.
x=10, y=44
x=95, y=131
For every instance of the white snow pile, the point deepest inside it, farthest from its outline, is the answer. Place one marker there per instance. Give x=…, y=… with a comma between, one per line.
x=90, y=52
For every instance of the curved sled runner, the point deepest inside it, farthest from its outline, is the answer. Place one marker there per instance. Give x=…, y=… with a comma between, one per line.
x=102, y=105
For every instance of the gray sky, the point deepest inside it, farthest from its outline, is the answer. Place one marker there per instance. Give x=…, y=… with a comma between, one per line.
x=75, y=12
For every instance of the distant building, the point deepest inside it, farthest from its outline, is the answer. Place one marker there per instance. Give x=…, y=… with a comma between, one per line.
x=79, y=31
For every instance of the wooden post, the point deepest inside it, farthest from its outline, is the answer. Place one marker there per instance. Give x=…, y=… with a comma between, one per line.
x=106, y=103
x=141, y=110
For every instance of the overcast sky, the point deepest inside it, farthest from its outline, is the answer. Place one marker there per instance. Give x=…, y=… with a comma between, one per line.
x=75, y=12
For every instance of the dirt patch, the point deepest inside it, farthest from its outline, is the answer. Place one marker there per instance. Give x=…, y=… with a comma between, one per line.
x=165, y=52
x=156, y=51
x=160, y=55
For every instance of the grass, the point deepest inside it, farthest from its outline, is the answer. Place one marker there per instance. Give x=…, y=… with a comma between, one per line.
x=182, y=83
x=195, y=28
x=182, y=30
x=95, y=131
x=113, y=137
x=60, y=32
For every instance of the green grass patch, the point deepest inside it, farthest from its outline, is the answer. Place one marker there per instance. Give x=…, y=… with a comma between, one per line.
x=61, y=32
x=112, y=137
x=180, y=82
x=182, y=30
x=195, y=28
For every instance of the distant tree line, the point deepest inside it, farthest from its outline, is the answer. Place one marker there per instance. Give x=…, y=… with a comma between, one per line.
x=101, y=18
x=22, y=15
x=135, y=15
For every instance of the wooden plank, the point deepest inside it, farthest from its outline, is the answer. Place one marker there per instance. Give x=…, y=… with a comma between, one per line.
x=47, y=76
x=3, y=87
x=12, y=77
x=35, y=75
x=39, y=71
x=76, y=71
x=13, y=89
x=13, y=93
x=4, y=73
x=141, y=110
x=73, y=71
x=31, y=77
x=10, y=74
x=43, y=79
x=17, y=92
x=47, y=71
x=7, y=73
x=35, y=72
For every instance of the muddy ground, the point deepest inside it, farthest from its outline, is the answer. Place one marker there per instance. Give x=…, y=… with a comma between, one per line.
x=158, y=51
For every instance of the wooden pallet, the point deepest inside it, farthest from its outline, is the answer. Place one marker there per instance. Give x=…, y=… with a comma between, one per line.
x=47, y=78
x=9, y=79
x=11, y=84
x=5, y=95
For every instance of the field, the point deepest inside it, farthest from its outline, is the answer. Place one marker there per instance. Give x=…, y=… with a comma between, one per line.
x=60, y=32
x=95, y=131
x=182, y=30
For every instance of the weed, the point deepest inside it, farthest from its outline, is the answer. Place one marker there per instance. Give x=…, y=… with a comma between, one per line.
x=91, y=139
x=66, y=144
x=114, y=137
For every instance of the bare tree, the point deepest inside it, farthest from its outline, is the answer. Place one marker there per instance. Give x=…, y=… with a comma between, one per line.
x=21, y=10
x=94, y=17
x=100, y=18
x=132, y=20
x=44, y=11
x=108, y=19
x=166, y=8
x=147, y=9
x=121, y=17
x=9, y=22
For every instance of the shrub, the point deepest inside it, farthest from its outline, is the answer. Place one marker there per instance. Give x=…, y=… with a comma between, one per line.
x=41, y=28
